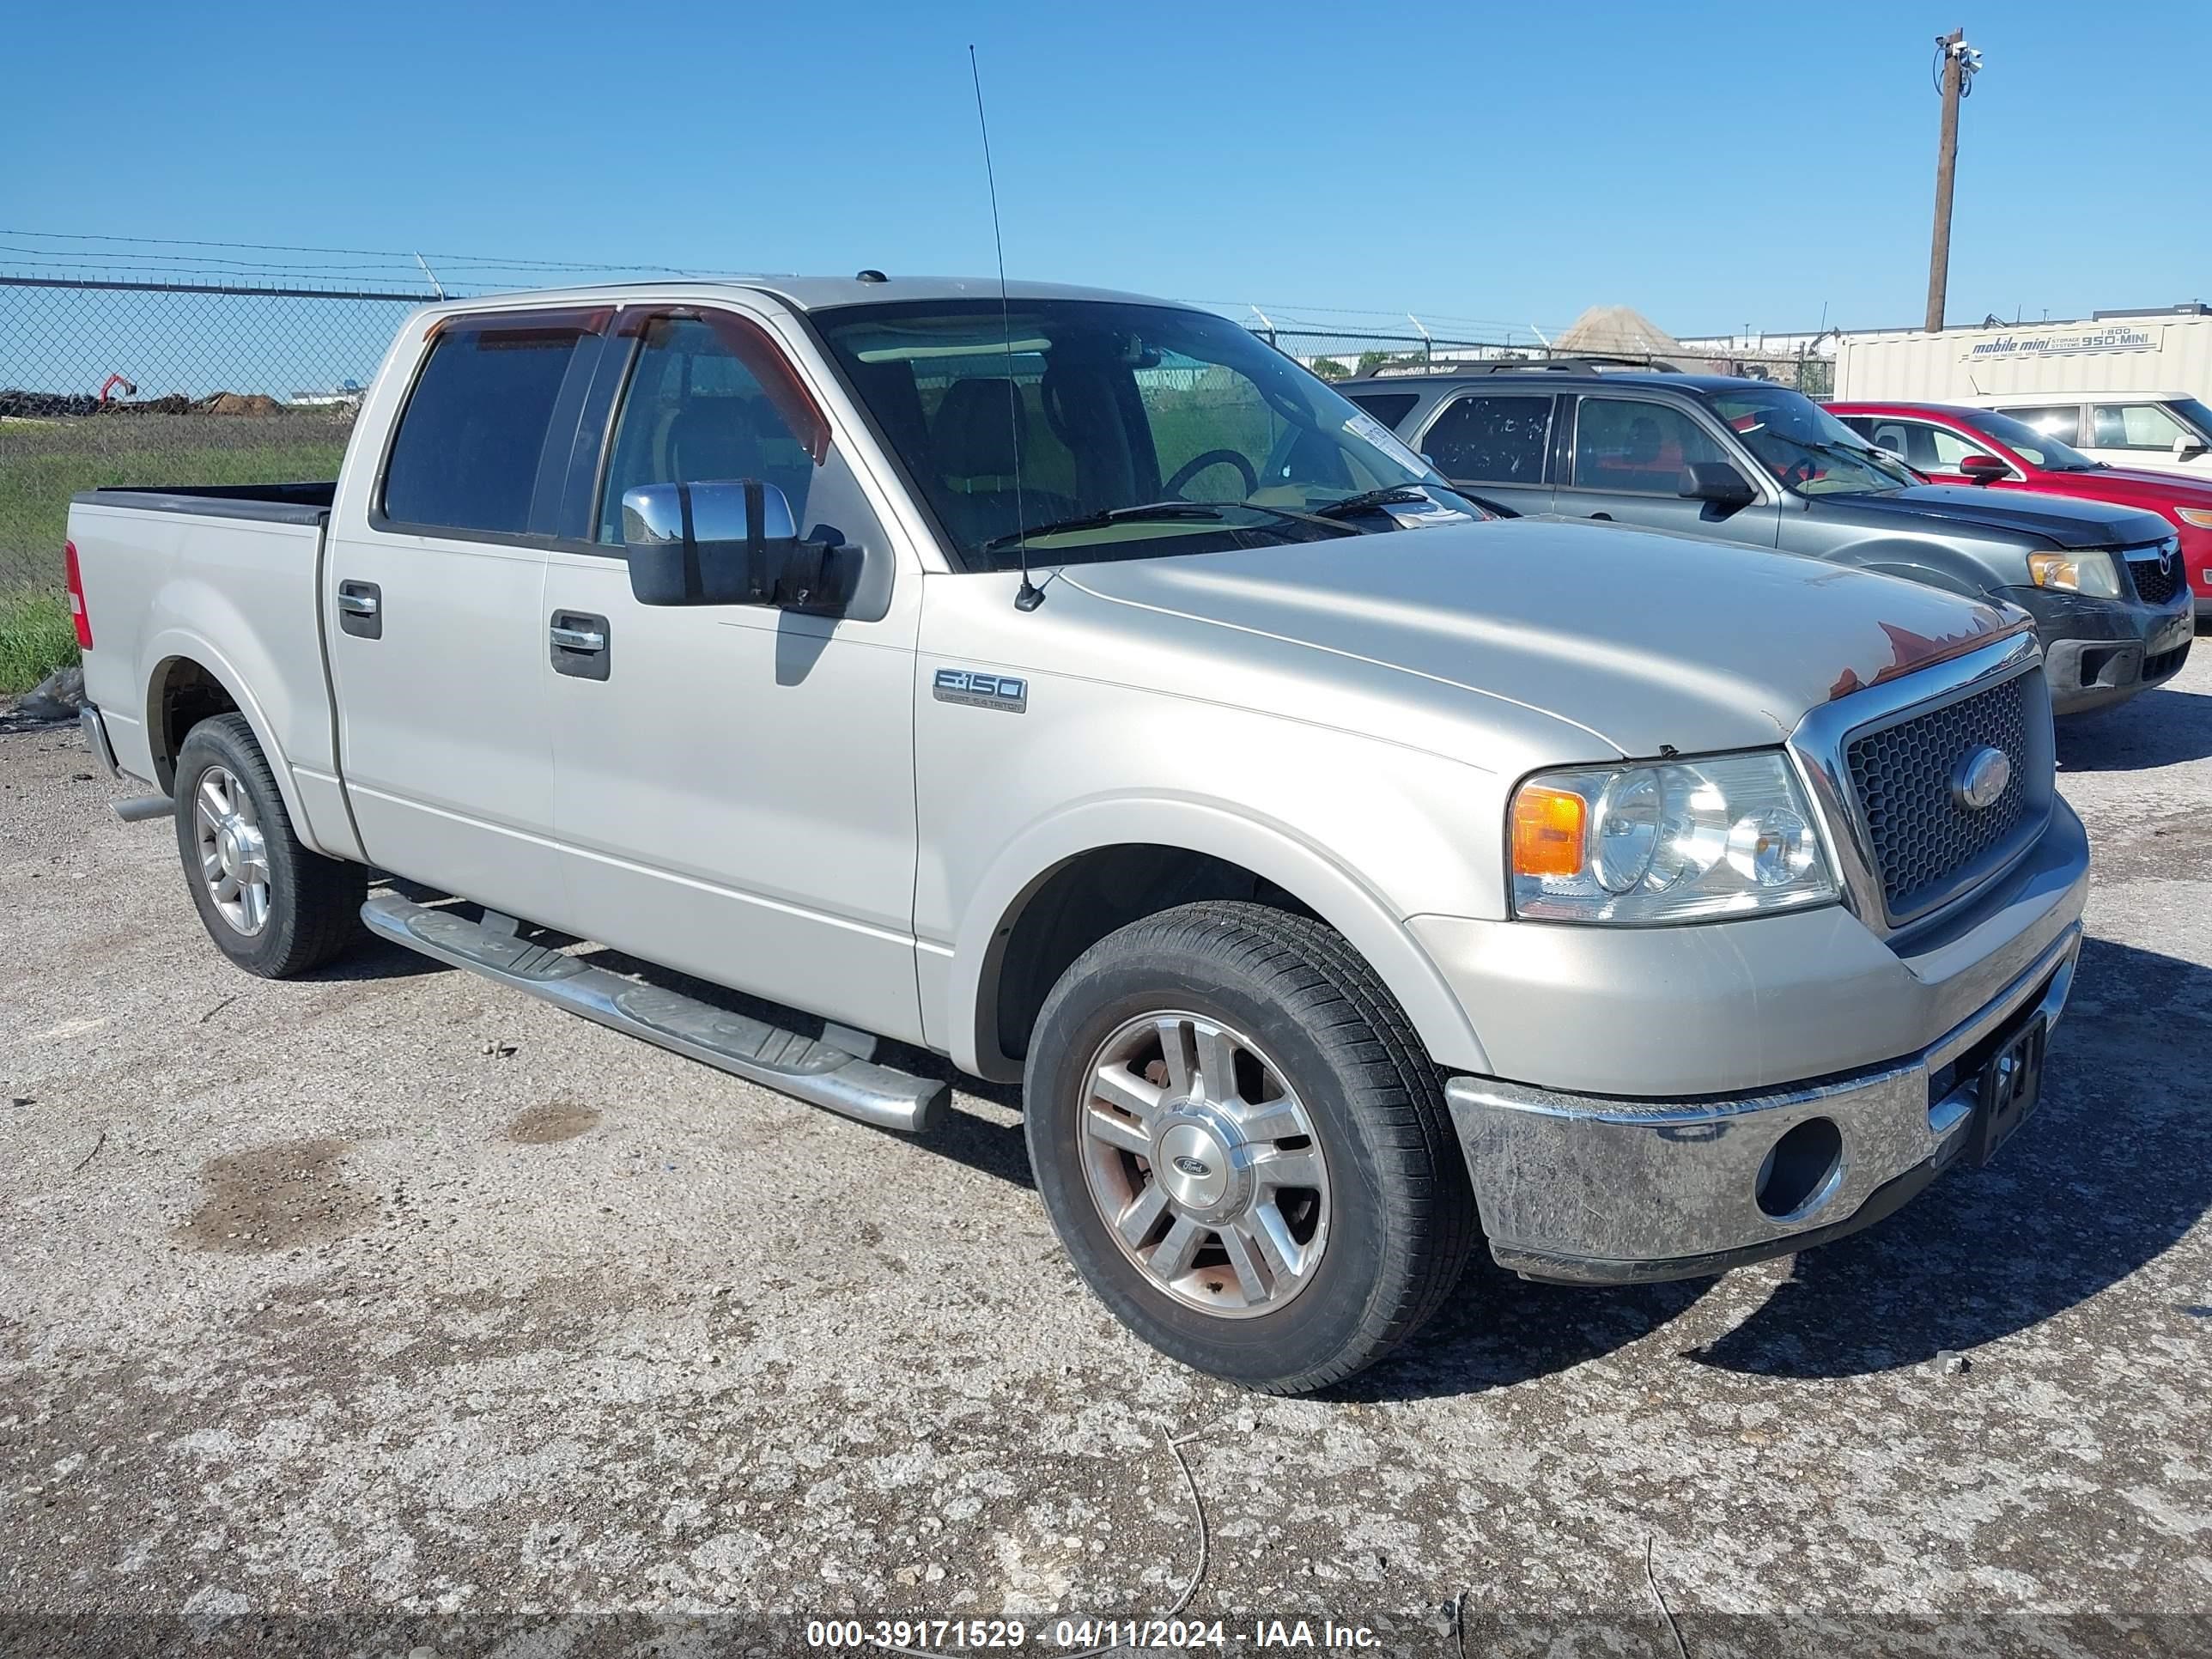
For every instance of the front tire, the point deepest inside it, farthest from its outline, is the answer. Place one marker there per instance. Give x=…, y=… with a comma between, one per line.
x=1244, y=1148
x=272, y=907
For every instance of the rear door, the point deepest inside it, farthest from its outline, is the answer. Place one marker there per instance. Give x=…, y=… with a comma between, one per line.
x=734, y=785
x=1496, y=444
x=1624, y=453
x=434, y=590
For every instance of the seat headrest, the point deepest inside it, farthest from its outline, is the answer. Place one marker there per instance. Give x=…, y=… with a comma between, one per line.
x=977, y=428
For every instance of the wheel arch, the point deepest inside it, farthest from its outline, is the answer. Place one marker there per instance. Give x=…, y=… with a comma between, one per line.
x=1075, y=879
x=190, y=681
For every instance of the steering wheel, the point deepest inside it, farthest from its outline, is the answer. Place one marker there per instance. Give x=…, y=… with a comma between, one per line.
x=1198, y=464
x=1800, y=472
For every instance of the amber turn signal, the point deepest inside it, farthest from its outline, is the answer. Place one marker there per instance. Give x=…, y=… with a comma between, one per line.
x=1549, y=826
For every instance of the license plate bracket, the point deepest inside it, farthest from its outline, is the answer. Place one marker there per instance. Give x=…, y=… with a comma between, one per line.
x=2011, y=1087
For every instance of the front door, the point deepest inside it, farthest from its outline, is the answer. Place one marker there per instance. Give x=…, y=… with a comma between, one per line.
x=2147, y=433
x=433, y=596
x=734, y=785
x=1625, y=456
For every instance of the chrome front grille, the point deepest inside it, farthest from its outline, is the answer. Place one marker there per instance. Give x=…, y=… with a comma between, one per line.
x=1925, y=843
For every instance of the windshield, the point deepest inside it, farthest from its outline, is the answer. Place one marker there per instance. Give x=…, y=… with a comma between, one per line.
x=2193, y=411
x=2036, y=448
x=1091, y=429
x=1807, y=450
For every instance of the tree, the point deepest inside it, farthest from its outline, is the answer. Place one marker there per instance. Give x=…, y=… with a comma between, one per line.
x=1329, y=369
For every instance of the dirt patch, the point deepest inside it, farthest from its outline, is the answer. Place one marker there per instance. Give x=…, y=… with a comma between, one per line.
x=272, y=1198
x=556, y=1120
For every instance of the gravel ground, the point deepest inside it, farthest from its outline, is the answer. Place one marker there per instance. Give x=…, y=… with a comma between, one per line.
x=310, y=1305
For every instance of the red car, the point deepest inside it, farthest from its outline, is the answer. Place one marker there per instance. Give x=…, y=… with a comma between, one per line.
x=1956, y=445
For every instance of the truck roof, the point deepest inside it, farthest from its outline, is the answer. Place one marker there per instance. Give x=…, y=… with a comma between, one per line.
x=823, y=293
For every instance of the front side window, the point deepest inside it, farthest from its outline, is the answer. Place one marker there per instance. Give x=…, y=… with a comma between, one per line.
x=1094, y=430
x=706, y=403
x=1930, y=449
x=2134, y=426
x=1493, y=440
x=1637, y=447
x=467, y=452
x=1806, y=450
x=2059, y=421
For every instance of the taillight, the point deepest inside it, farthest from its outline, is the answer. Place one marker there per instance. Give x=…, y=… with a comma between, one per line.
x=77, y=612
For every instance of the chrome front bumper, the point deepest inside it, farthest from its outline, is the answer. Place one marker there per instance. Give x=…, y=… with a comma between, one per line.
x=1599, y=1190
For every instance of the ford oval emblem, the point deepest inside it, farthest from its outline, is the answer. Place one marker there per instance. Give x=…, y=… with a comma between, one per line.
x=1192, y=1167
x=1981, y=778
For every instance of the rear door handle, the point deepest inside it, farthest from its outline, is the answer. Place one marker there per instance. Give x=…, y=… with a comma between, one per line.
x=361, y=609
x=579, y=645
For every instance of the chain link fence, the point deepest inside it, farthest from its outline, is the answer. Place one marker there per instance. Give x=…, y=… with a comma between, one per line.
x=187, y=382
x=170, y=383
x=1337, y=355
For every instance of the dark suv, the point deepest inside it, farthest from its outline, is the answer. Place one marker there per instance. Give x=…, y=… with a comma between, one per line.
x=1748, y=461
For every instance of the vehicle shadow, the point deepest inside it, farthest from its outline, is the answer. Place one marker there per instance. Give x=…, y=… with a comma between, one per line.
x=2159, y=728
x=2115, y=1168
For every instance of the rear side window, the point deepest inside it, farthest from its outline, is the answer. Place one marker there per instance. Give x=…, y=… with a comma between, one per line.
x=1491, y=440
x=2062, y=421
x=466, y=453
x=1388, y=407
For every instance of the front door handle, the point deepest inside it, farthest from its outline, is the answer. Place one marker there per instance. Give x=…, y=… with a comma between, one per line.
x=579, y=645
x=361, y=609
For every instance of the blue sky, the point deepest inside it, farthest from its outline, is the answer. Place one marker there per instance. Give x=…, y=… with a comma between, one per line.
x=1712, y=164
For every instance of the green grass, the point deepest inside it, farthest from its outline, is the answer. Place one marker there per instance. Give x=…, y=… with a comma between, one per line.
x=43, y=463
x=36, y=637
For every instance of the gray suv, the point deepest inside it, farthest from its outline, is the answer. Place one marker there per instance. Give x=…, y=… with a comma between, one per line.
x=1747, y=461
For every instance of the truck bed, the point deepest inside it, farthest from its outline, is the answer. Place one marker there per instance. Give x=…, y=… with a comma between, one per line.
x=223, y=582
x=276, y=503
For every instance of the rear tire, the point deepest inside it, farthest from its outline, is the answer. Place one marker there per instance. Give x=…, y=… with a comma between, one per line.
x=1305, y=1278
x=272, y=906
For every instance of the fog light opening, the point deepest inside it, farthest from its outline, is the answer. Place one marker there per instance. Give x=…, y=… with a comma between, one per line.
x=1801, y=1169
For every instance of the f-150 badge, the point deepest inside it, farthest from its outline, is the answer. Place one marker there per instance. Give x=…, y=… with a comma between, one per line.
x=982, y=690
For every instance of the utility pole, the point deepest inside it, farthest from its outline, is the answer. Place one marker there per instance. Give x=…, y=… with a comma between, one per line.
x=1956, y=65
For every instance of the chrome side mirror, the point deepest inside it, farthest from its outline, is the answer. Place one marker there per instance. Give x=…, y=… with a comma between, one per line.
x=727, y=542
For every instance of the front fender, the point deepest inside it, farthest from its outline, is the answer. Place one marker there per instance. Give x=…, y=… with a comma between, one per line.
x=1931, y=563
x=967, y=1012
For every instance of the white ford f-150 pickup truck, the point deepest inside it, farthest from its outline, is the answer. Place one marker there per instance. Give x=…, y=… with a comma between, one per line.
x=1071, y=685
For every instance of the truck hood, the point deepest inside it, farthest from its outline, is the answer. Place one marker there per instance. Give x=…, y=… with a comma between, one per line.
x=2063, y=521
x=1641, y=640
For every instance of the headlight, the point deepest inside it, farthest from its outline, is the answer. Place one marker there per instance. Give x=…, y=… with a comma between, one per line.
x=2199, y=516
x=1676, y=842
x=2093, y=573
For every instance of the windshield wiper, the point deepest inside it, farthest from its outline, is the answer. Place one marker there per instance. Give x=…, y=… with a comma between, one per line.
x=1112, y=515
x=1367, y=499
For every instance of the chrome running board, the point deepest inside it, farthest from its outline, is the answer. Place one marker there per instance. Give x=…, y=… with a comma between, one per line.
x=807, y=1068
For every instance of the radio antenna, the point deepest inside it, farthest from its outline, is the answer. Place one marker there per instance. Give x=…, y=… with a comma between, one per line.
x=1029, y=596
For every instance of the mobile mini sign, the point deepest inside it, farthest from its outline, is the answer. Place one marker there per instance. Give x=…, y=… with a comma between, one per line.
x=2079, y=343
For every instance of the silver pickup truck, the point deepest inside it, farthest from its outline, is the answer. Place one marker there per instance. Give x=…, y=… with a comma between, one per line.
x=1068, y=684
